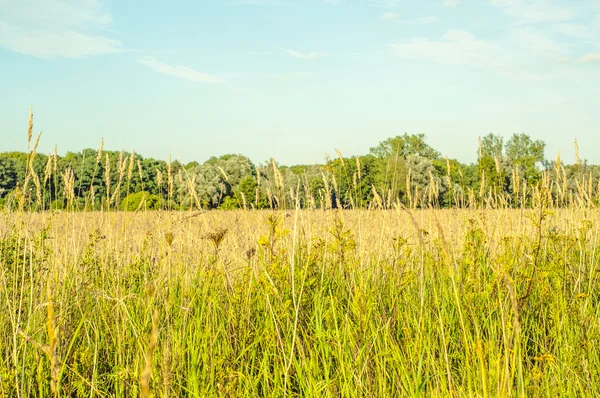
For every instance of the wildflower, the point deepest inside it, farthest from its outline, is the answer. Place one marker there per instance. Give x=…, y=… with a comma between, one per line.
x=263, y=241
x=536, y=373
x=544, y=358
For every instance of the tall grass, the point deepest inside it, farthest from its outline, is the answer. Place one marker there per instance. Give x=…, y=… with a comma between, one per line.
x=388, y=301
x=355, y=303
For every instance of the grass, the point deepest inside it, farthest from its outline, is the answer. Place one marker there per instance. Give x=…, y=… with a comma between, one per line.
x=484, y=301
x=300, y=303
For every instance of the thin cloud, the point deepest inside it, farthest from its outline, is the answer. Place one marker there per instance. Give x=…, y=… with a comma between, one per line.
x=291, y=76
x=590, y=58
x=383, y=3
x=450, y=3
x=389, y=15
x=457, y=47
x=308, y=56
x=573, y=30
x=427, y=20
x=180, y=72
x=54, y=28
x=533, y=11
x=536, y=43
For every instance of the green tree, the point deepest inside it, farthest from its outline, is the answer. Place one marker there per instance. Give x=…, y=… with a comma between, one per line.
x=492, y=145
x=405, y=145
x=528, y=154
x=493, y=165
x=219, y=178
x=248, y=186
x=8, y=175
x=421, y=171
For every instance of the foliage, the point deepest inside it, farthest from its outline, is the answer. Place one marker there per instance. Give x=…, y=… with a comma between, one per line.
x=403, y=169
x=521, y=150
x=140, y=200
x=405, y=145
x=8, y=175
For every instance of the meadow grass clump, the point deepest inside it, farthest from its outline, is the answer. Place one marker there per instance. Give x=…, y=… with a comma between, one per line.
x=323, y=303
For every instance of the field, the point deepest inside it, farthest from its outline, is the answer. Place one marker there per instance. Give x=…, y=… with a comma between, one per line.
x=300, y=303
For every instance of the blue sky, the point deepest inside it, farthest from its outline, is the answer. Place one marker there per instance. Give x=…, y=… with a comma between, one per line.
x=295, y=80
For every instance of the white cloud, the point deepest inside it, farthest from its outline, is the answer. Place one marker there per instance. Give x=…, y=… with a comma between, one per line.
x=418, y=21
x=536, y=43
x=590, y=58
x=450, y=3
x=180, y=72
x=573, y=30
x=308, y=56
x=291, y=76
x=427, y=20
x=382, y=3
x=533, y=11
x=56, y=28
x=457, y=47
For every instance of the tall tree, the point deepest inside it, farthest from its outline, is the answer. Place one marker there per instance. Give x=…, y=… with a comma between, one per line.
x=8, y=175
x=492, y=145
x=405, y=145
x=528, y=154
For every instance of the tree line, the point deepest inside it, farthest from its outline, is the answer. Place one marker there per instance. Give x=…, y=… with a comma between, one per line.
x=402, y=170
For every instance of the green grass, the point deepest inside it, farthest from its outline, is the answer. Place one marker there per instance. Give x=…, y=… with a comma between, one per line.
x=318, y=303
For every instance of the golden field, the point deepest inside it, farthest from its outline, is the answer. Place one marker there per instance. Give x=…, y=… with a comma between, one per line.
x=300, y=303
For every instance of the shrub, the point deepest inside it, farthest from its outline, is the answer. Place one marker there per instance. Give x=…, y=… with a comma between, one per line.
x=229, y=203
x=140, y=200
x=57, y=204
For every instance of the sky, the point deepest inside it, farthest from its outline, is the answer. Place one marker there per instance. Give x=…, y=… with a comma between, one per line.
x=297, y=79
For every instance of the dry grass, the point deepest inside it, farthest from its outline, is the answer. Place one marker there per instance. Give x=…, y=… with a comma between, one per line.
x=307, y=303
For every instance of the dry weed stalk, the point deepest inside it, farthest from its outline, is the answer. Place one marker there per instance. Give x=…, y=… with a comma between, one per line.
x=107, y=181
x=69, y=185
x=170, y=185
x=130, y=168
x=146, y=374
x=159, y=179
x=48, y=169
x=99, y=155
x=257, y=187
x=409, y=188
x=50, y=349
x=30, y=127
x=376, y=198
x=140, y=173
x=340, y=157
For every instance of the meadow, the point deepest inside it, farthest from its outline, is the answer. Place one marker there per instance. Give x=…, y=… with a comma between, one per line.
x=320, y=303
x=325, y=293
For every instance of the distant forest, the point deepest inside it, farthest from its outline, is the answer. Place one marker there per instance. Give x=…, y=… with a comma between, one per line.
x=400, y=170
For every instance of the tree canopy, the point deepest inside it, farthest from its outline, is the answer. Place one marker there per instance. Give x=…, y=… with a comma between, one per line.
x=403, y=168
